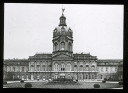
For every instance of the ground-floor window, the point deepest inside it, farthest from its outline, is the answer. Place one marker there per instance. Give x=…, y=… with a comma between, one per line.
x=75, y=76
x=55, y=76
x=22, y=77
x=86, y=76
x=101, y=76
x=27, y=77
x=93, y=77
x=13, y=76
x=32, y=77
x=81, y=76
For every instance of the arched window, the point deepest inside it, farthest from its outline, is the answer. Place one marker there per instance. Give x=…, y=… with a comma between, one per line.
x=70, y=47
x=38, y=67
x=93, y=67
x=87, y=67
x=68, y=67
x=62, y=45
x=62, y=67
x=13, y=69
x=60, y=20
x=81, y=76
x=43, y=67
x=75, y=67
x=32, y=67
x=56, y=67
x=81, y=67
x=56, y=46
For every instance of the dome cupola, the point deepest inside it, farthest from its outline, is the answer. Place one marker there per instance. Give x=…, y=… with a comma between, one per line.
x=62, y=19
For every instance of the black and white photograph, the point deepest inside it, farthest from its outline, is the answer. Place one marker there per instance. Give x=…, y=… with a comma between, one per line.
x=63, y=46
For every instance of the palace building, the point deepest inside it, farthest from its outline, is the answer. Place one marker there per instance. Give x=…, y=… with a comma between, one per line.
x=62, y=62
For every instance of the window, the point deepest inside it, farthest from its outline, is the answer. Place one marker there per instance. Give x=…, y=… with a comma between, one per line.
x=93, y=77
x=106, y=69
x=81, y=67
x=107, y=63
x=56, y=67
x=62, y=46
x=111, y=69
x=75, y=67
x=8, y=68
x=32, y=68
x=22, y=69
x=61, y=20
x=18, y=68
x=87, y=67
x=43, y=67
x=93, y=67
x=62, y=67
x=86, y=76
x=101, y=69
x=101, y=76
x=18, y=76
x=115, y=69
x=69, y=47
x=55, y=46
x=97, y=68
x=38, y=67
x=13, y=69
x=49, y=67
x=68, y=67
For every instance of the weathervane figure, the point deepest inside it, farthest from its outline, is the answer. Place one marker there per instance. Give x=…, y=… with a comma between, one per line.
x=62, y=10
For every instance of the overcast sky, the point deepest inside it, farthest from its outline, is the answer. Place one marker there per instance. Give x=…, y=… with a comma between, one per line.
x=28, y=28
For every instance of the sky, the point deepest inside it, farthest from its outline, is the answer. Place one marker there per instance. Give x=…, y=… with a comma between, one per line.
x=28, y=29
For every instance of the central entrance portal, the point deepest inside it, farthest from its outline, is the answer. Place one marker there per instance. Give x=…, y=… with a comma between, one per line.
x=62, y=75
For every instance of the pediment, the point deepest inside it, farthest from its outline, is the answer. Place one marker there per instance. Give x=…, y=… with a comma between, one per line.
x=62, y=57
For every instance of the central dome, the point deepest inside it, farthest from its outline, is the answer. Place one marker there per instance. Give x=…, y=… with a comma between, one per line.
x=62, y=30
x=59, y=29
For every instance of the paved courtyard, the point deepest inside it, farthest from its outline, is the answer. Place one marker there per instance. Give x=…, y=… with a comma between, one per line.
x=79, y=85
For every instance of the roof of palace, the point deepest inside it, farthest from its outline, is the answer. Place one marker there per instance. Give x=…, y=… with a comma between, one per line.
x=15, y=62
x=110, y=60
x=46, y=56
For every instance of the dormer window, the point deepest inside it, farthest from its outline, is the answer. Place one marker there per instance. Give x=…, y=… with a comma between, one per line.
x=62, y=45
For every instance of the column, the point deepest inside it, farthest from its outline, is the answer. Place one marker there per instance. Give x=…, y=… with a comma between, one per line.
x=83, y=75
x=40, y=66
x=31, y=76
x=27, y=77
x=29, y=66
x=96, y=75
x=35, y=66
x=65, y=45
x=59, y=46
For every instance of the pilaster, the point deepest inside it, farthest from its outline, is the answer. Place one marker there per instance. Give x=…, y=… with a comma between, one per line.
x=35, y=66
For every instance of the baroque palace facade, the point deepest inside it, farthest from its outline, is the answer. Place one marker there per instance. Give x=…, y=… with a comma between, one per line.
x=62, y=63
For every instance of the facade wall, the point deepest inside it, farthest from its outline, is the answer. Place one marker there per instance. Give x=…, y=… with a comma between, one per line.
x=75, y=73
